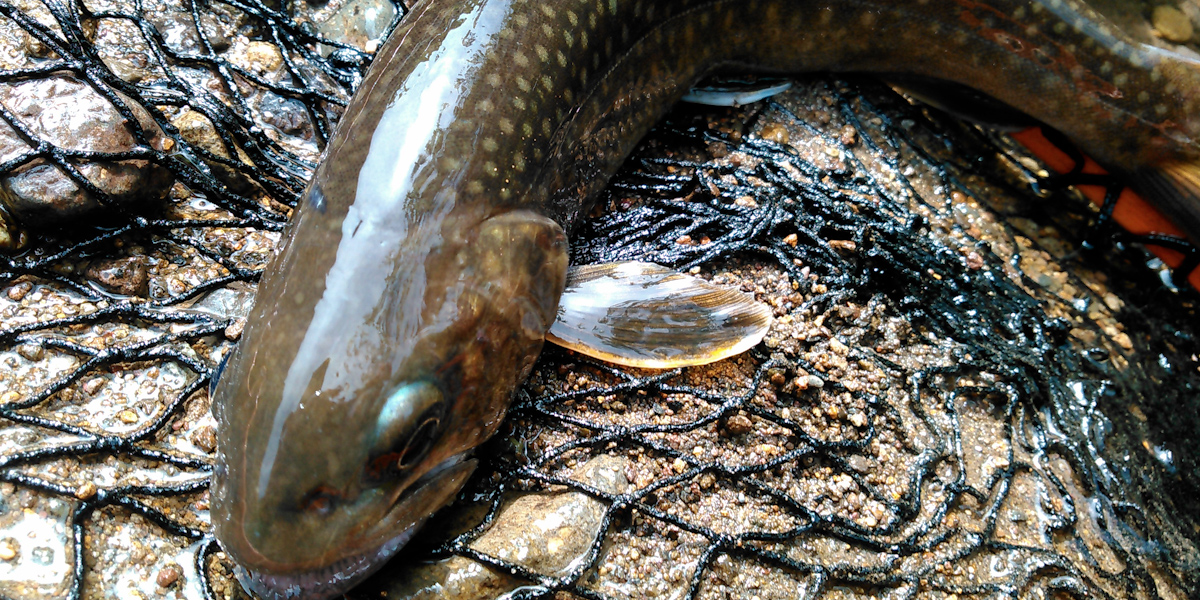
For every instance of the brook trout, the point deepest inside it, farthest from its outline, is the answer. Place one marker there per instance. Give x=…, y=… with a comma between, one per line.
x=420, y=274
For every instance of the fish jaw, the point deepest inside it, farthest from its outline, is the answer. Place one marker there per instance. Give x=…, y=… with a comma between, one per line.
x=330, y=577
x=321, y=583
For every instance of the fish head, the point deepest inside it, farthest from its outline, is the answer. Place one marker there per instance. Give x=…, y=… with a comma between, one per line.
x=335, y=445
x=340, y=506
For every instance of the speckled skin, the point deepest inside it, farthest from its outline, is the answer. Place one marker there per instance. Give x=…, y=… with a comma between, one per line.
x=427, y=259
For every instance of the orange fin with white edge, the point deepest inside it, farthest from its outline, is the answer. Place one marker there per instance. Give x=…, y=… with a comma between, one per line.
x=1174, y=188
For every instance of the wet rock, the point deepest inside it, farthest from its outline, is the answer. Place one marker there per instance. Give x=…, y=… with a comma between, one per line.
x=285, y=114
x=124, y=276
x=174, y=23
x=72, y=115
x=261, y=57
x=546, y=532
x=131, y=68
x=775, y=133
x=124, y=50
x=12, y=236
x=231, y=302
x=222, y=24
x=197, y=130
x=18, y=49
x=359, y=23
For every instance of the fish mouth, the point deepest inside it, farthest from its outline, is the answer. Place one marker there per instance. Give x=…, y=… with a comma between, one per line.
x=322, y=583
x=432, y=491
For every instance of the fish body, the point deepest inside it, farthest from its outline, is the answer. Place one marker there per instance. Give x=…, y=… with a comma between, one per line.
x=426, y=261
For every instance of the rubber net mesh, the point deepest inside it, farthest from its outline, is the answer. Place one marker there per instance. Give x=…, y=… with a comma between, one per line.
x=975, y=386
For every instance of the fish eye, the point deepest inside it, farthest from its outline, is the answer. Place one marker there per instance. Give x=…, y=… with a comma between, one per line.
x=404, y=456
x=418, y=445
x=320, y=501
x=408, y=425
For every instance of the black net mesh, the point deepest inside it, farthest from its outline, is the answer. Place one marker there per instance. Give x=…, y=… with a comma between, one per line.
x=971, y=389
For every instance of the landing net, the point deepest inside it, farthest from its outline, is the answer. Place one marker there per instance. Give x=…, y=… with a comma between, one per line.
x=972, y=391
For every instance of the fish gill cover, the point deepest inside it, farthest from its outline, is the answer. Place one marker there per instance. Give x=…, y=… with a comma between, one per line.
x=971, y=389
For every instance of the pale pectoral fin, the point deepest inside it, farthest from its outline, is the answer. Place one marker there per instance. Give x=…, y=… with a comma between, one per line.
x=731, y=91
x=1174, y=188
x=645, y=315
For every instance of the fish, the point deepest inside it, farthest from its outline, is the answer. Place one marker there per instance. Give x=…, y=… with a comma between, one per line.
x=415, y=285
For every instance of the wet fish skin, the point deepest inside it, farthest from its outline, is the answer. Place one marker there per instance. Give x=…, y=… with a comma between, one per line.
x=418, y=277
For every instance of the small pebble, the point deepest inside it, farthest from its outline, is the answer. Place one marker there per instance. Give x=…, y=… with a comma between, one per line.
x=739, y=424
x=168, y=575
x=16, y=292
x=774, y=132
x=1136, y=411
x=858, y=419
x=778, y=379
x=746, y=202
x=127, y=416
x=234, y=330
x=31, y=352
x=86, y=491
x=205, y=438
x=93, y=385
x=847, y=246
x=848, y=135
x=263, y=57
x=974, y=261
x=7, y=551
